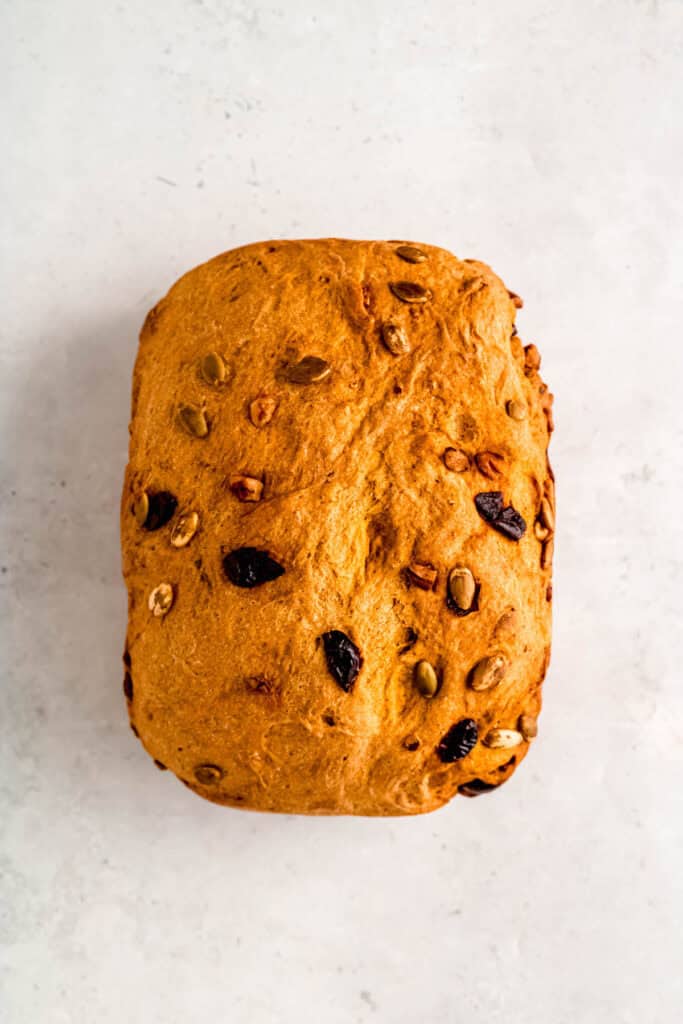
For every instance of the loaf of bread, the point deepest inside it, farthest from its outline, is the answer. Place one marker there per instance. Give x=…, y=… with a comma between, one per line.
x=337, y=527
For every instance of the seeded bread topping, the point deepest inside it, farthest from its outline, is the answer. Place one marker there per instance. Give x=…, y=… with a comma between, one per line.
x=337, y=526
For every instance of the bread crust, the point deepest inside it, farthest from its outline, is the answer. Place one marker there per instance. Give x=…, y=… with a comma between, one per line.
x=348, y=489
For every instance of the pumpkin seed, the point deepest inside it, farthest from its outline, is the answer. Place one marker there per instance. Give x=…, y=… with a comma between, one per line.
x=309, y=370
x=246, y=488
x=161, y=599
x=462, y=587
x=395, y=339
x=141, y=508
x=426, y=679
x=541, y=532
x=422, y=575
x=193, y=420
x=410, y=291
x=516, y=410
x=507, y=622
x=208, y=774
x=262, y=410
x=411, y=254
x=502, y=739
x=547, y=553
x=475, y=787
x=546, y=514
x=184, y=530
x=528, y=726
x=212, y=368
x=456, y=460
x=488, y=672
x=489, y=464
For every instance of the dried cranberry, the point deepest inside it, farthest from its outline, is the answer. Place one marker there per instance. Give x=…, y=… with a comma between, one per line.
x=162, y=506
x=458, y=741
x=510, y=523
x=344, y=660
x=504, y=519
x=128, y=686
x=250, y=567
x=475, y=787
x=489, y=505
x=126, y=658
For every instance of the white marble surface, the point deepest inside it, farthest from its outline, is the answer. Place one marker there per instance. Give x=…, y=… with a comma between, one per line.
x=142, y=138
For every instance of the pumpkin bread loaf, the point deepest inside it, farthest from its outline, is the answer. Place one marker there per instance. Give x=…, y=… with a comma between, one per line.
x=337, y=526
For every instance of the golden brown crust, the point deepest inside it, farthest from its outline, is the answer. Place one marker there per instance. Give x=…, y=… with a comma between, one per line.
x=335, y=467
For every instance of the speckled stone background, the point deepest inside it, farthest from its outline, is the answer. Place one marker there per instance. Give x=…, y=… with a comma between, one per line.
x=142, y=138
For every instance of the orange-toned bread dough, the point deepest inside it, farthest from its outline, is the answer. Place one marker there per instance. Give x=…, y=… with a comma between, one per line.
x=337, y=473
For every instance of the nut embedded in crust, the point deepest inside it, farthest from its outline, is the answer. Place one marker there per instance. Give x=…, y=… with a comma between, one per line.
x=488, y=672
x=185, y=529
x=502, y=739
x=426, y=679
x=422, y=575
x=456, y=460
x=246, y=488
x=462, y=588
x=489, y=464
x=160, y=600
x=193, y=421
x=212, y=368
x=262, y=410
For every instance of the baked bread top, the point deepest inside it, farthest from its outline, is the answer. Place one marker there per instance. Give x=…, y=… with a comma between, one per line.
x=337, y=526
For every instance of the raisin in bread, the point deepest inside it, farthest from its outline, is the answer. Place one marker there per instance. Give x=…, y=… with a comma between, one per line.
x=337, y=526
